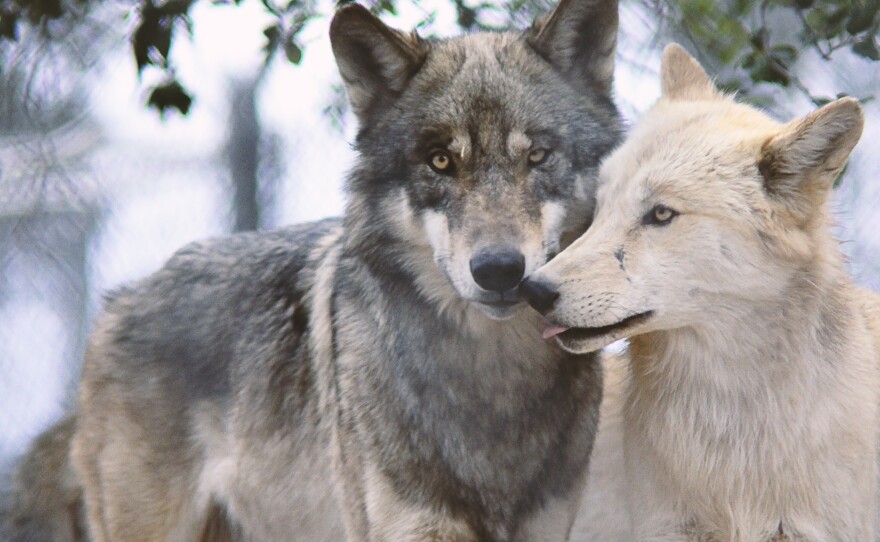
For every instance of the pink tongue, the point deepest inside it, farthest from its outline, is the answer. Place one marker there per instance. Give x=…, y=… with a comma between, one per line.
x=552, y=331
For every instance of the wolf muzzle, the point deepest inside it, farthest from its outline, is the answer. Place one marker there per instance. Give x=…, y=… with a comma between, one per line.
x=498, y=269
x=540, y=295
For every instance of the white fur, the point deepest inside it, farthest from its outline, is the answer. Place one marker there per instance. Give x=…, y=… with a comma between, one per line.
x=437, y=230
x=553, y=217
x=750, y=410
x=552, y=523
x=461, y=145
x=433, y=267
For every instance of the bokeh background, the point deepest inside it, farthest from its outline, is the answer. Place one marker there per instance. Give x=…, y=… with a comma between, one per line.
x=130, y=128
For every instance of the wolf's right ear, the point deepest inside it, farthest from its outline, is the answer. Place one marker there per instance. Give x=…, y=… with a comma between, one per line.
x=579, y=38
x=800, y=164
x=376, y=62
x=682, y=77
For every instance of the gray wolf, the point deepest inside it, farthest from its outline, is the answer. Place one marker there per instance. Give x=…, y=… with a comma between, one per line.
x=374, y=377
x=45, y=496
x=750, y=407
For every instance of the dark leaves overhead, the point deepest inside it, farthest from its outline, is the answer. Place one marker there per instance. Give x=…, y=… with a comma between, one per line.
x=151, y=41
x=170, y=95
x=34, y=11
x=862, y=16
x=293, y=51
x=37, y=10
x=151, y=44
x=741, y=35
x=767, y=38
x=8, y=24
x=867, y=48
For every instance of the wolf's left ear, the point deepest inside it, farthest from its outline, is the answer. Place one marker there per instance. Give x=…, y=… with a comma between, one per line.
x=376, y=62
x=801, y=163
x=682, y=77
x=579, y=38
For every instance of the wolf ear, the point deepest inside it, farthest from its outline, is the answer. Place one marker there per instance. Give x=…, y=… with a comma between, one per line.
x=376, y=62
x=579, y=38
x=682, y=77
x=801, y=163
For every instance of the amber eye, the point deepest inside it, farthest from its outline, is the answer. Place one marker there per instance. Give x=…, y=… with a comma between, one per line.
x=538, y=156
x=440, y=161
x=662, y=214
x=659, y=215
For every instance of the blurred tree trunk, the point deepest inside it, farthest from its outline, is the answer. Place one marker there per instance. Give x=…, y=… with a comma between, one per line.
x=243, y=154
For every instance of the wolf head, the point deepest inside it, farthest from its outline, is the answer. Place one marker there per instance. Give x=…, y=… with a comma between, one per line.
x=481, y=150
x=707, y=208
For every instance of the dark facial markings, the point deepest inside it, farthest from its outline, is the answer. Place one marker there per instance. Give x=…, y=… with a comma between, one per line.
x=619, y=255
x=434, y=150
x=470, y=143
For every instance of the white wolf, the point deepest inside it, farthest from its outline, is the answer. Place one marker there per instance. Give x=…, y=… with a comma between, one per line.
x=750, y=409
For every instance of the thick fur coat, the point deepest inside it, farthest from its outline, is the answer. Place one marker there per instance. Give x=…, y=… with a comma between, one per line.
x=749, y=406
x=374, y=377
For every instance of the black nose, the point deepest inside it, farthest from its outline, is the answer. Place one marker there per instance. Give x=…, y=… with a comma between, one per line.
x=498, y=268
x=540, y=295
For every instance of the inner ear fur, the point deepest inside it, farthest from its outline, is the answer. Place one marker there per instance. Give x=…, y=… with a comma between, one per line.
x=800, y=163
x=682, y=77
x=579, y=37
x=375, y=61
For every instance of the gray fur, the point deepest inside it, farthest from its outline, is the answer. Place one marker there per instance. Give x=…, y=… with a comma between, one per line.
x=327, y=381
x=45, y=496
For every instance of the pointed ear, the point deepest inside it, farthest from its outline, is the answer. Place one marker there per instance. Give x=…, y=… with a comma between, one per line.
x=682, y=77
x=801, y=163
x=579, y=38
x=376, y=62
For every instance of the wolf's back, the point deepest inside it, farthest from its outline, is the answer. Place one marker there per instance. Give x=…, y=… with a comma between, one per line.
x=45, y=497
x=162, y=324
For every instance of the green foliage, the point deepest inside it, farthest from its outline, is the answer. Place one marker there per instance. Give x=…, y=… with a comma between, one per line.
x=867, y=48
x=766, y=38
x=160, y=23
x=762, y=39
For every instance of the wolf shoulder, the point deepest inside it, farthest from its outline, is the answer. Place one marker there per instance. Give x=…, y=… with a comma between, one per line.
x=210, y=303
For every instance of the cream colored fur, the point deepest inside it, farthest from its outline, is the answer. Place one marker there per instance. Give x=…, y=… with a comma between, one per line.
x=749, y=407
x=604, y=514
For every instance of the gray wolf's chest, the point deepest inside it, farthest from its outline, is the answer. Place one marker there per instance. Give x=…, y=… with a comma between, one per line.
x=482, y=418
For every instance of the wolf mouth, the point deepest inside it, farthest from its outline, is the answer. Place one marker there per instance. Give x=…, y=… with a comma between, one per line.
x=501, y=304
x=499, y=309
x=503, y=300
x=577, y=334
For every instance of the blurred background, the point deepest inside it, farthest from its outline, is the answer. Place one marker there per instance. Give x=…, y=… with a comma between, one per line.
x=129, y=128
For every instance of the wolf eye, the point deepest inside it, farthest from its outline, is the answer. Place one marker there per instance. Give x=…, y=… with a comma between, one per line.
x=440, y=161
x=659, y=215
x=538, y=156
